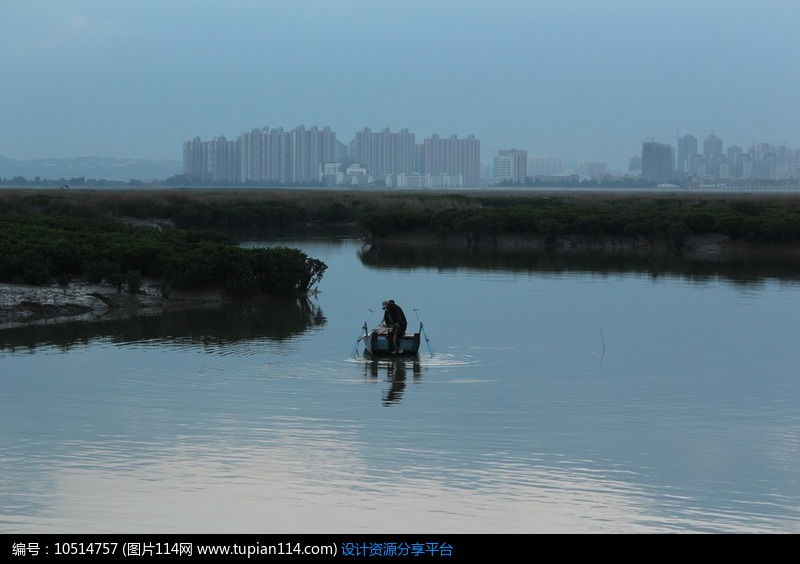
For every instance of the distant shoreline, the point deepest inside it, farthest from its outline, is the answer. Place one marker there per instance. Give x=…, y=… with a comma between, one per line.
x=711, y=246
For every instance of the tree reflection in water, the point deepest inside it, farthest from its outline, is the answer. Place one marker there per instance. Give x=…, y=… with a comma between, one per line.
x=212, y=326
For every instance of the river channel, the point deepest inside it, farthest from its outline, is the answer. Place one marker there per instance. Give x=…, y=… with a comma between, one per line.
x=552, y=395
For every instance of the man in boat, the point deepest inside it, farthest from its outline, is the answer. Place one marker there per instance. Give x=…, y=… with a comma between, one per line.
x=395, y=319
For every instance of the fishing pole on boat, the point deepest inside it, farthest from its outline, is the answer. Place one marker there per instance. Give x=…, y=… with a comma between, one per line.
x=361, y=336
x=424, y=334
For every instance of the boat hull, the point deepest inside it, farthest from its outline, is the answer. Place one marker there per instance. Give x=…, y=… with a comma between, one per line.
x=379, y=343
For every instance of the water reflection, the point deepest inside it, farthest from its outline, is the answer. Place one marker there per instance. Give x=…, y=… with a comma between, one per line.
x=395, y=372
x=211, y=326
x=685, y=422
x=744, y=271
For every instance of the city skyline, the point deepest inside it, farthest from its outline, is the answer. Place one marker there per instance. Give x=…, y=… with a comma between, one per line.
x=303, y=155
x=394, y=158
x=688, y=158
x=395, y=153
x=487, y=159
x=579, y=79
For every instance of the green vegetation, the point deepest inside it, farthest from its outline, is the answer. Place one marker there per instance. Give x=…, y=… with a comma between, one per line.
x=666, y=219
x=58, y=234
x=37, y=248
x=238, y=213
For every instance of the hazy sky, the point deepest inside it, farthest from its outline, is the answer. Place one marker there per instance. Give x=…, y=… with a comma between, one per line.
x=575, y=78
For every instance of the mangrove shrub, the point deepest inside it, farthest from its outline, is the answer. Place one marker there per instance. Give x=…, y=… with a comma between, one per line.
x=37, y=249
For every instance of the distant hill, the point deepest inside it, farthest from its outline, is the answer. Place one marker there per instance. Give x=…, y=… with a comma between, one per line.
x=90, y=168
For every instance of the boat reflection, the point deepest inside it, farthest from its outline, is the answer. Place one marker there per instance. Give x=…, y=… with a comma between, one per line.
x=395, y=370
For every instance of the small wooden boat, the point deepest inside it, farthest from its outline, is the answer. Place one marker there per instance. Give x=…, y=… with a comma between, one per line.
x=378, y=342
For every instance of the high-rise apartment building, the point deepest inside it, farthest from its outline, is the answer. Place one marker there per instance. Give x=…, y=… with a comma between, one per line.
x=214, y=161
x=307, y=149
x=511, y=165
x=261, y=155
x=687, y=150
x=385, y=152
x=254, y=150
x=735, y=158
x=194, y=162
x=712, y=146
x=453, y=156
x=657, y=159
x=713, y=157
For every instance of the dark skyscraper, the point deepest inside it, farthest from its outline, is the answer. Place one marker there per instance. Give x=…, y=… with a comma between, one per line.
x=713, y=158
x=657, y=159
x=712, y=147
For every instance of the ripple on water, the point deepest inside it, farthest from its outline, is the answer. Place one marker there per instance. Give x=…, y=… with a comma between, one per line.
x=437, y=360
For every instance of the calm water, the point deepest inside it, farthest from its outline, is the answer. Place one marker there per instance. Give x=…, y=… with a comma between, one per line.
x=563, y=395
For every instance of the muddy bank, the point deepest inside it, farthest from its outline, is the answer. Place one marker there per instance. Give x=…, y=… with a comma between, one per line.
x=22, y=304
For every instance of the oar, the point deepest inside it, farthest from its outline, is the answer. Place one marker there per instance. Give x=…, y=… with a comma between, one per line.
x=424, y=334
